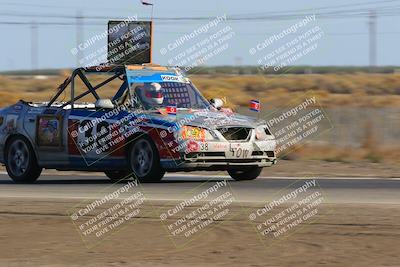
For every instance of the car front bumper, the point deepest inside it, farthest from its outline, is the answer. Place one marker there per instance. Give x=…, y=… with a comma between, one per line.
x=217, y=161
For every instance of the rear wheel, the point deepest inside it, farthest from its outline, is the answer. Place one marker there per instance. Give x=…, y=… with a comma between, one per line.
x=21, y=163
x=245, y=174
x=145, y=161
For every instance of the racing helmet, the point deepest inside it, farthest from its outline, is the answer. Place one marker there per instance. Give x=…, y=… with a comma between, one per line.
x=152, y=93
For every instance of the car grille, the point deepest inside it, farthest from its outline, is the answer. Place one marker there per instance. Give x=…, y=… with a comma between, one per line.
x=218, y=158
x=235, y=133
x=205, y=154
x=270, y=154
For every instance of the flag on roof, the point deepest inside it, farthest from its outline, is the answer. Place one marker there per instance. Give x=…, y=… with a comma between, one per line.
x=255, y=105
x=146, y=3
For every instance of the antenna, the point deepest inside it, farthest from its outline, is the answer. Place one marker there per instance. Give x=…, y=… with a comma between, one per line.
x=148, y=3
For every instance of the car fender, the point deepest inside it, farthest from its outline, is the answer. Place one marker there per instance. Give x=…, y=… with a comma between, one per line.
x=18, y=112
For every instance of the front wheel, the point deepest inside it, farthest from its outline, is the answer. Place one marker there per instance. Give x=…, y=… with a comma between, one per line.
x=145, y=161
x=245, y=174
x=21, y=161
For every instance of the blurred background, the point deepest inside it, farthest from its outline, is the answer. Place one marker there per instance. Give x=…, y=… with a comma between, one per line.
x=354, y=71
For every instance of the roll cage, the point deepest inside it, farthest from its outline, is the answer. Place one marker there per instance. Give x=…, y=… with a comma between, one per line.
x=117, y=72
x=137, y=74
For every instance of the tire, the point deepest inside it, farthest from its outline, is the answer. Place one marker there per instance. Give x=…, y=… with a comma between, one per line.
x=246, y=174
x=117, y=175
x=21, y=163
x=145, y=161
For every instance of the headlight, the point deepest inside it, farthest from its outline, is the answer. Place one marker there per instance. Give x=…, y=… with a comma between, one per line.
x=262, y=133
x=195, y=133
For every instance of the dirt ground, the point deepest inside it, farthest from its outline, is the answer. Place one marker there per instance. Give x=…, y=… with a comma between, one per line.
x=38, y=233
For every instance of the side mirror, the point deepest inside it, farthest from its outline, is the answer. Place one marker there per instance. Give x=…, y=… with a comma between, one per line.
x=217, y=103
x=104, y=103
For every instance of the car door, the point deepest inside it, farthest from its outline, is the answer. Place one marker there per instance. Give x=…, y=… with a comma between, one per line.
x=47, y=128
x=93, y=139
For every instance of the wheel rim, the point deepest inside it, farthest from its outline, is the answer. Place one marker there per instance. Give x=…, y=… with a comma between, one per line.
x=142, y=158
x=18, y=158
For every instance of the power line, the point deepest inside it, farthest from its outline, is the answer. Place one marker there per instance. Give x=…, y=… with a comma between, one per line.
x=381, y=11
x=393, y=12
x=269, y=12
x=267, y=33
x=183, y=32
x=60, y=6
x=328, y=7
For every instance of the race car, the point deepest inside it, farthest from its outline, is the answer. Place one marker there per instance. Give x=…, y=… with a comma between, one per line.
x=156, y=122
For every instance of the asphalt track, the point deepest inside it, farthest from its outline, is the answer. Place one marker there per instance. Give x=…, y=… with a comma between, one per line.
x=179, y=186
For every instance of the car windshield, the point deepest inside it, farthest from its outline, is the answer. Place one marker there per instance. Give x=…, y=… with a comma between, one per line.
x=164, y=94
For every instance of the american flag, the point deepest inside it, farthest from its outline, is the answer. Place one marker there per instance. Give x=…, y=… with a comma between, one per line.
x=255, y=105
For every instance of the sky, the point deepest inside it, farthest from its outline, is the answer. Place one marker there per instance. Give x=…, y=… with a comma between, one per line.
x=345, y=38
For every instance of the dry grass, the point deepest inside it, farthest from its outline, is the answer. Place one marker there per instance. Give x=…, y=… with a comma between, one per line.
x=370, y=151
x=31, y=89
x=347, y=154
x=367, y=90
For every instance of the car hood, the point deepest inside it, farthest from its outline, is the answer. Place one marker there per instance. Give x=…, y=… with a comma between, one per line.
x=208, y=119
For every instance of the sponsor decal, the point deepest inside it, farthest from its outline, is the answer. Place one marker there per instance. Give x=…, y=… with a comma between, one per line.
x=171, y=78
x=194, y=133
x=17, y=108
x=49, y=131
x=227, y=111
x=10, y=123
x=220, y=146
x=192, y=146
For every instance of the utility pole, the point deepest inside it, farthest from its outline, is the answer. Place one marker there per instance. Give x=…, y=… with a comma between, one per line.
x=79, y=37
x=238, y=63
x=34, y=45
x=372, y=40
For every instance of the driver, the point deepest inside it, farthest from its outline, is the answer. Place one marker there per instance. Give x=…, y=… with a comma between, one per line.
x=151, y=95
